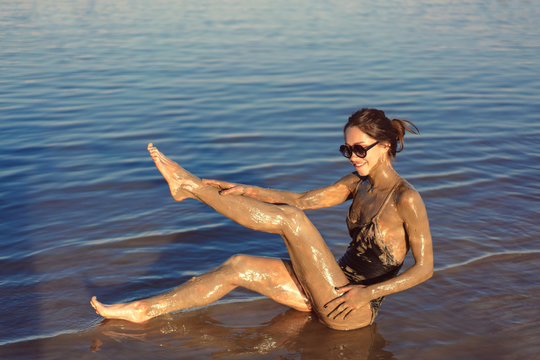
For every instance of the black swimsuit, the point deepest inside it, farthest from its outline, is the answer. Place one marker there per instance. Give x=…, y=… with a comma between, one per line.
x=367, y=261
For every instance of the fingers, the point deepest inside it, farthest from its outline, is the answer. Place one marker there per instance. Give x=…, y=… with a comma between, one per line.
x=332, y=302
x=343, y=309
x=342, y=306
x=347, y=314
x=216, y=183
x=213, y=183
x=220, y=185
x=348, y=287
x=346, y=311
x=236, y=190
x=343, y=289
x=337, y=310
x=226, y=188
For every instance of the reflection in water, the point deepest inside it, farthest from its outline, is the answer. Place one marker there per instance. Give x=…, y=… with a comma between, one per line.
x=288, y=334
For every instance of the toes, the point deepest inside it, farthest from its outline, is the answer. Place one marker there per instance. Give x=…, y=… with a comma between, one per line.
x=152, y=149
x=93, y=303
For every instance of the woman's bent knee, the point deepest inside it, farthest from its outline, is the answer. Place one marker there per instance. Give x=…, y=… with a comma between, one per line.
x=292, y=212
x=293, y=219
x=359, y=318
x=236, y=261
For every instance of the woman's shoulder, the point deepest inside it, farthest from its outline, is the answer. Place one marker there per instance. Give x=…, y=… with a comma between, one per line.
x=404, y=187
x=405, y=190
x=352, y=181
x=407, y=197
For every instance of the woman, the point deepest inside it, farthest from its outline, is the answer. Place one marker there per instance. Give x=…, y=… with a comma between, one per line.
x=386, y=218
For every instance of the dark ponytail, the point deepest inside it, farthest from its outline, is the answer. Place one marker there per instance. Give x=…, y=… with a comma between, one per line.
x=400, y=126
x=375, y=124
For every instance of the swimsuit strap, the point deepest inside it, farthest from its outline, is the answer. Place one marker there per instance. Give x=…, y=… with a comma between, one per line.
x=386, y=199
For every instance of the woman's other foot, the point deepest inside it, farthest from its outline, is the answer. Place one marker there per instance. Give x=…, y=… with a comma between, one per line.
x=181, y=182
x=135, y=311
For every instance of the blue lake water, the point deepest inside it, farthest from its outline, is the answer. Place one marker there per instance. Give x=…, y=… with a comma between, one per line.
x=257, y=93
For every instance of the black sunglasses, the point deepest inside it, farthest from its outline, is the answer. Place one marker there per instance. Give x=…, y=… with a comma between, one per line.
x=359, y=150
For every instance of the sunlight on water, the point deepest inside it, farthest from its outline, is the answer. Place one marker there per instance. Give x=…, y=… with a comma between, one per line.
x=257, y=93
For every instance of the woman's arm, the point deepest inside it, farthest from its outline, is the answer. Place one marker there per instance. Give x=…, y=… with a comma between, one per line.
x=334, y=194
x=412, y=210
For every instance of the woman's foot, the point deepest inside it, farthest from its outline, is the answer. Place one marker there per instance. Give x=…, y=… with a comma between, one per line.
x=134, y=311
x=180, y=181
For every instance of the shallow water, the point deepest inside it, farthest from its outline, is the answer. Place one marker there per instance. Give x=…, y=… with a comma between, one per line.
x=257, y=92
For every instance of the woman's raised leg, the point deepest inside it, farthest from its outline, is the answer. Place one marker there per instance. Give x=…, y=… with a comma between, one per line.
x=273, y=278
x=314, y=265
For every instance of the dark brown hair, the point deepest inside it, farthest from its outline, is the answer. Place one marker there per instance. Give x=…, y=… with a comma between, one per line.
x=375, y=124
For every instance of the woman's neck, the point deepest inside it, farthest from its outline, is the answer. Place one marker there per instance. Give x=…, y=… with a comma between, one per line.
x=382, y=176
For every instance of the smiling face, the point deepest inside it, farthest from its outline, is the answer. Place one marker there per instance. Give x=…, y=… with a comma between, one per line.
x=376, y=155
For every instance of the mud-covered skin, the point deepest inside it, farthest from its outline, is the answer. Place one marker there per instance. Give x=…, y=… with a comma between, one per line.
x=312, y=280
x=402, y=223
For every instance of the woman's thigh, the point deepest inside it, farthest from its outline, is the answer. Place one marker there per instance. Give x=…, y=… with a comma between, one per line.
x=275, y=278
x=271, y=277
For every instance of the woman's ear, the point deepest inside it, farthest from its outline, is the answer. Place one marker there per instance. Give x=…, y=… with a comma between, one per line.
x=386, y=147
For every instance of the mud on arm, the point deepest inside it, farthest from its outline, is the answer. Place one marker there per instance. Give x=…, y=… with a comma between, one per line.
x=412, y=210
x=327, y=196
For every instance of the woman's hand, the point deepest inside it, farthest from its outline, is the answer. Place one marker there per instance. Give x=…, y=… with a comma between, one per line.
x=226, y=188
x=352, y=297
